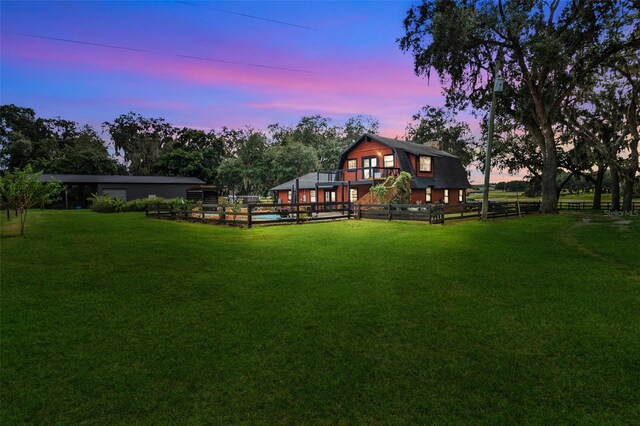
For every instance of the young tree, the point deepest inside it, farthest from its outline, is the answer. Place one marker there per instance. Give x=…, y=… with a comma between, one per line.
x=547, y=48
x=23, y=189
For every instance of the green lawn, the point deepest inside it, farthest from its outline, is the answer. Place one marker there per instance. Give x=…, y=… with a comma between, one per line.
x=119, y=319
x=513, y=196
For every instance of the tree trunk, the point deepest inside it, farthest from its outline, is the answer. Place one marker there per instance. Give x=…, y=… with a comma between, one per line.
x=549, y=202
x=23, y=219
x=630, y=177
x=615, y=189
x=597, y=194
x=627, y=198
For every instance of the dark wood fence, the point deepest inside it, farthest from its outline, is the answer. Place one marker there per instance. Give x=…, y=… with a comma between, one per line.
x=588, y=205
x=251, y=214
x=266, y=214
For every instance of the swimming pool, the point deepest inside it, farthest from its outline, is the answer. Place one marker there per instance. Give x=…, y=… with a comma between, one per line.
x=267, y=217
x=244, y=217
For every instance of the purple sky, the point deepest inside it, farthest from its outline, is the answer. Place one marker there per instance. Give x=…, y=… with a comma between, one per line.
x=347, y=62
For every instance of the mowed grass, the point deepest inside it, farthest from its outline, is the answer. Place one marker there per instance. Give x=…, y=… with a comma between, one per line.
x=119, y=319
x=564, y=197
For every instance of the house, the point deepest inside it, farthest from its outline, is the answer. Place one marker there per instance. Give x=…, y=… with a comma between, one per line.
x=77, y=188
x=436, y=174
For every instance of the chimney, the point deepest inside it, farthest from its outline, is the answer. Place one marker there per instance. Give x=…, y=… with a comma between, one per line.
x=435, y=144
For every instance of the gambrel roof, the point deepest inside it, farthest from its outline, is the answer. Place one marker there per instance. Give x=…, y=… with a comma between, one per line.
x=448, y=169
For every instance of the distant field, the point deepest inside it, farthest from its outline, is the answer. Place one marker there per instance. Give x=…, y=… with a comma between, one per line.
x=119, y=319
x=512, y=196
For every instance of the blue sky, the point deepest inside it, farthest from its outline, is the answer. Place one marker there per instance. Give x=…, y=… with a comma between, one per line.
x=349, y=63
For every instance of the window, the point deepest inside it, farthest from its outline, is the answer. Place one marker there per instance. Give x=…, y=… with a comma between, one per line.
x=329, y=196
x=304, y=198
x=289, y=196
x=425, y=164
x=446, y=196
x=152, y=196
x=312, y=195
x=427, y=197
x=460, y=195
x=352, y=164
x=353, y=195
x=369, y=164
x=388, y=161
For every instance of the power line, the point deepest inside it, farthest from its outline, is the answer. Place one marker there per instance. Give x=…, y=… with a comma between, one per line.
x=243, y=63
x=245, y=15
x=111, y=46
x=201, y=58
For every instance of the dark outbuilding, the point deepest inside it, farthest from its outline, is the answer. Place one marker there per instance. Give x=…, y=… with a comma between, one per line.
x=80, y=187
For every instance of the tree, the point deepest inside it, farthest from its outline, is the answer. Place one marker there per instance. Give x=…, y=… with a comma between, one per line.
x=83, y=152
x=55, y=145
x=356, y=126
x=22, y=190
x=193, y=153
x=24, y=139
x=437, y=127
x=293, y=160
x=141, y=140
x=607, y=117
x=248, y=167
x=547, y=52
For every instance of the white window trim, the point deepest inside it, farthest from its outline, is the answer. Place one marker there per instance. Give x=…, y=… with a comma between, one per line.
x=384, y=160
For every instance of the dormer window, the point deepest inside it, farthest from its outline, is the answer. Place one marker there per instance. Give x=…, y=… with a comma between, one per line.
x=425, y=164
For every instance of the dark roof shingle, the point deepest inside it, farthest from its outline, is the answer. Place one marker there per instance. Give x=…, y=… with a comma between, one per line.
x=87, y=179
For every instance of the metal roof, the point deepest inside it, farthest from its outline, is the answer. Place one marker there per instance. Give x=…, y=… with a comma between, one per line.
x=89, y=179
x=308, y=181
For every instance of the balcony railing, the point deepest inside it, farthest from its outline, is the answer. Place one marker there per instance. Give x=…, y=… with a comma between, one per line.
x=358, y=174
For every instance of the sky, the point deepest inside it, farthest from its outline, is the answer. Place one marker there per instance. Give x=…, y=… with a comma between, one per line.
x=212, y=64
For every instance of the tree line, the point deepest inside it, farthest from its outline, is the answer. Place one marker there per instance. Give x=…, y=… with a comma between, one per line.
x=571, y=74
x=246, y=160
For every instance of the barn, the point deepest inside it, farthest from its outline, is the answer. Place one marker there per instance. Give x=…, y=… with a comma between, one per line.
x=77, y=188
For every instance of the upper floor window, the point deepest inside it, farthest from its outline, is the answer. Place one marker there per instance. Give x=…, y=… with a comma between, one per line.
x=388, y=160
x=352, y=164
x=425, y=164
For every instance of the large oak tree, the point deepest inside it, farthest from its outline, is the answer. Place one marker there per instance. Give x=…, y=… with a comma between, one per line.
x=547, y=49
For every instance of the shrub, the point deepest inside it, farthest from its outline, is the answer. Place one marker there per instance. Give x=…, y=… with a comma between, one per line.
x=105, y=204
x=141, y=204
x=379, y=192
x=101, y=203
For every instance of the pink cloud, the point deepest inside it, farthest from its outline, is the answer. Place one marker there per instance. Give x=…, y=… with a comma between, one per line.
x=339, y=76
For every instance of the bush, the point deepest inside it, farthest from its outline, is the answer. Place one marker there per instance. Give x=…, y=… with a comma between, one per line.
x=101, y=203
x=141, y=204
x=106, y=204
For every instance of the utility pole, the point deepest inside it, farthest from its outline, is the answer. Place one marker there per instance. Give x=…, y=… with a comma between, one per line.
x=497, y=87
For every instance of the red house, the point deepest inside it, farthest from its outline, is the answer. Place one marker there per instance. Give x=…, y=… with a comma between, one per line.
x=436, y=175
